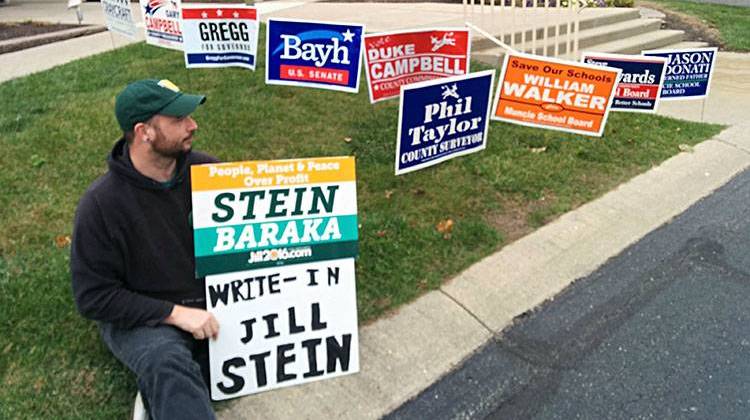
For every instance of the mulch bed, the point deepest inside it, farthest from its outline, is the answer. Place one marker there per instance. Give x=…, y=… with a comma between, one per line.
x=20, y=29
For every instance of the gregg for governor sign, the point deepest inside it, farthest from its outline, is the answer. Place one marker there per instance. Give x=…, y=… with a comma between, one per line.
x=218, y=36
x=560, y=95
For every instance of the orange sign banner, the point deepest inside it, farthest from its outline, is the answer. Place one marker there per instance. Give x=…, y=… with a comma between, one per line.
x=556, y=94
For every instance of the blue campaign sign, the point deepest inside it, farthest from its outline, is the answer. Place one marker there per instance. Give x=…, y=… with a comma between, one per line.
x=688, y=74
x=442, y=119
x=314, y=54
x=639, y=85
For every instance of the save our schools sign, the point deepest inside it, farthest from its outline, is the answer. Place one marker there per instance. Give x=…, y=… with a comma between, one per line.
x=555, y=94
x=161, y=20
x=277, y=240
x=220, y=35
x=259, y=214
x=118, y=17
x=394, y=59
x=688, y=74
x=639, y=85
x=314, y=54
x=442, y=119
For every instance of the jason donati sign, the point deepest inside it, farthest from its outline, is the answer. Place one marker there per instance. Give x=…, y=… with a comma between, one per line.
x=161, y=19
x=442, y=119
x=217, y=36
x=396, y=59
x=688, y=74
x=560, y=95
x=314, y=54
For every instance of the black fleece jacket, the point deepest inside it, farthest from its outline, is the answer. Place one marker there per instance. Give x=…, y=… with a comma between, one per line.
x=132, y=253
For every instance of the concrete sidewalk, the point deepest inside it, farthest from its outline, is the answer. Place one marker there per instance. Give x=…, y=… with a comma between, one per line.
x=44, y=57
x=402, y=354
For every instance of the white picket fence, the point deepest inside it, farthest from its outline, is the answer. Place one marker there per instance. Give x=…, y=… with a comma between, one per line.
x=543, y=27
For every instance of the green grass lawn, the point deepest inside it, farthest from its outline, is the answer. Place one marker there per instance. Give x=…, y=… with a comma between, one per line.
x=733, y=22
x=56, y=128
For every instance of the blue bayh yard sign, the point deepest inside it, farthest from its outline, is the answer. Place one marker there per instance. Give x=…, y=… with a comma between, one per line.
x=442, y=119
x=314, y=54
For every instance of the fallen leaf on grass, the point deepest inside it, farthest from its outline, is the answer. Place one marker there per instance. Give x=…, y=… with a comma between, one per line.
x=62, y=241
x=445, y=227
x=686, y=148
x=539, y=149
x=388, y=194
x=380, y=233
x=348, y=139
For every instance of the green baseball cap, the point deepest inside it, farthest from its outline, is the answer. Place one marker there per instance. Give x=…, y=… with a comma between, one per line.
x=143, y=99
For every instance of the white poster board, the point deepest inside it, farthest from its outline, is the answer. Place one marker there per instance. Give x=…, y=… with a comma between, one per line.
x=118, y=17
x=282, y=326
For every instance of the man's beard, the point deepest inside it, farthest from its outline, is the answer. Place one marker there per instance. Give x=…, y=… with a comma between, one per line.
x=162, y=148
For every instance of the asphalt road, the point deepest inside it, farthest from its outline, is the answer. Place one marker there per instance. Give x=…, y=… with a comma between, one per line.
x=662, y=331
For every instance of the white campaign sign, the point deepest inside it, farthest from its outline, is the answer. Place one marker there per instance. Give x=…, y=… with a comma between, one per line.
x=118, y=17
x=161, y=20
x=282, y=326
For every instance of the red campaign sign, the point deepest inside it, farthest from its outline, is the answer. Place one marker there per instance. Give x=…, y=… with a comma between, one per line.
x=397, y=59
x=219, y=13
x=314, y=74
x=635, y=91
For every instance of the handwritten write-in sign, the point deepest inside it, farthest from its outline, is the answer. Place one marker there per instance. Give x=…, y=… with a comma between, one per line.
x=282, y=326
x=555, y=94
x=396, y=59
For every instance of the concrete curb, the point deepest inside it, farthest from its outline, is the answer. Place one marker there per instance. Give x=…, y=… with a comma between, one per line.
x=403, y=354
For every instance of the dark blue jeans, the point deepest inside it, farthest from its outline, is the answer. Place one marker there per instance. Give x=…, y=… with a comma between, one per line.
x=170, y=366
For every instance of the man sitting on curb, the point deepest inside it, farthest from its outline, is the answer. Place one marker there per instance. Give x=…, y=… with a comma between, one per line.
x=132, y=257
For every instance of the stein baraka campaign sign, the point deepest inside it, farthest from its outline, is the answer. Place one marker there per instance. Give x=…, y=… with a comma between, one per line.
x=549, y=93
x=314, y=54
x=266, y=213
x=442, y=119
x=220, y=36
x=394, y=59
x=688, y=74
x=291, y=317
x=161, y=20
x=118, y=17
x=639, y=86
